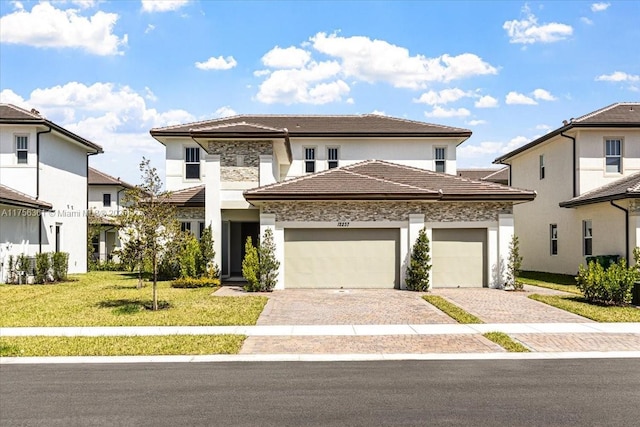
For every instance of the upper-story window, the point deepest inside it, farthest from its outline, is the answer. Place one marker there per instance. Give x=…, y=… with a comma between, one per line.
x=106, y=200
x=309, y=160
x=613, y=155
x=22, y=148
x=441, y=159
x=192, y=163
x=542, y=166
x=332, y=157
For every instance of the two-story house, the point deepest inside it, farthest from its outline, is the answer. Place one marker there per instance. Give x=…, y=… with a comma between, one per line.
x=587, y=177
x=43, y=187
x=106, y=196
x=339, y=217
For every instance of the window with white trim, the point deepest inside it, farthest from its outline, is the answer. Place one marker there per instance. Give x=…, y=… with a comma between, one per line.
x=542, y=166
x=613, y=155
x=201, y=229
x=587, y=237
x=309, y=160
x=332, y=157
x=553, y=237
x=440, y=157
x=22, y=149
x=185, y=226
x=106, y=200
x=192, y=163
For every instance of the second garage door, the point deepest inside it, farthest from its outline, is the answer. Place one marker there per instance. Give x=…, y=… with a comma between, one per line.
x=458, y=257
x=341, y=258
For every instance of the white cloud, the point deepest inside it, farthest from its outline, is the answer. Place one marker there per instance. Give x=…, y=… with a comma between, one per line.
x=543, y=95
x=618, y=76
x=291, y=57
x=7, y=96
x=379, y=113
x=218, y=63
x=442, y=97
x=162, y=5
x=150, y=95
x=492, y=148
x=528, y=31
x=350, y=101
x=45, y=26
x=543, y=127
x=476, y=122
x=440, y=112
x=600, y=7
x=515, y=98
x=586, y=20
x=225, y=111
x=486, y=102
x=149, y=28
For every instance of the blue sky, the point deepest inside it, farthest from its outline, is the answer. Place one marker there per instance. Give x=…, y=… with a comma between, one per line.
x=510, y=71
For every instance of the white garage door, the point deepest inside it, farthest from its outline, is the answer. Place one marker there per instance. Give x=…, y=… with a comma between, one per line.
x=458, y=257
x=341, y=258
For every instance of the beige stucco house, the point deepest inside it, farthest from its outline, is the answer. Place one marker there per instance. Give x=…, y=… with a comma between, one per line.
x=586, y=175
x=339, y=217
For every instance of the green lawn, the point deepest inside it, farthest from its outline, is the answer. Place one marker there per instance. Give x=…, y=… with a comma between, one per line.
x=581, y=307
x=452, y=310
x=105, y=298
x=559, y=282
x=120, y=346
x=506, y=342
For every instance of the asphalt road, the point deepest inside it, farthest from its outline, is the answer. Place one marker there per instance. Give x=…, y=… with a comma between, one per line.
x=458, y=393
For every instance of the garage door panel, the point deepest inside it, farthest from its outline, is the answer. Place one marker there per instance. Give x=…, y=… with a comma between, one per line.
x=458, y=257
x=353, y=258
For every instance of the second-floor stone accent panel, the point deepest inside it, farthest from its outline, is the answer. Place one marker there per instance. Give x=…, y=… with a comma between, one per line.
x=387, y=211
x=190, y=213
x=239, y=174
x=250, y=152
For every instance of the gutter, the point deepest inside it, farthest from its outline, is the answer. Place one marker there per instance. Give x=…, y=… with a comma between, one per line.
x=38, y=182
x=626, y=229
x=573, y=174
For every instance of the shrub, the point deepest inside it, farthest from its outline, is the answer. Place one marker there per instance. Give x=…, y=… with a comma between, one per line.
x=268, y=264
x=191, y=282
x=23, y=267
x=189, y=256
x=604, y=260
x=108, y=265
x=514, y=264
x=11, y=266
x=43, y=265
x=208, y=266
x=251, y=267
x=611, y=286
x=419, y=265
x=60, y=266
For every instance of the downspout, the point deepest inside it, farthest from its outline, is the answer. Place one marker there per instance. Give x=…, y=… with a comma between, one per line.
x=626, y=229
x=38, y=182
x=575, y=181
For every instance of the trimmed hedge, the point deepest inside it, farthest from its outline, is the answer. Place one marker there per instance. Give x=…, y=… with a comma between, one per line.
x=191, y=283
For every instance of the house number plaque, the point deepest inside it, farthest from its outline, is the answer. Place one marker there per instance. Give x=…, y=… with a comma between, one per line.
x=343, y=224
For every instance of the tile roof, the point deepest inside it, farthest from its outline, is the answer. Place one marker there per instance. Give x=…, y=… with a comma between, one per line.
x=621, y=114
x=309, y=125
x=188, y=197
x=623, y=188
x=500, y=176
x=11, y=114
x=100, y=178
x=9, y=196
x=380, y=180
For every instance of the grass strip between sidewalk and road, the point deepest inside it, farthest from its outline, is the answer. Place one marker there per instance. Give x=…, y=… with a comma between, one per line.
x=120, y=346
x=505, y=341
x=580, y=306
x=452, y=310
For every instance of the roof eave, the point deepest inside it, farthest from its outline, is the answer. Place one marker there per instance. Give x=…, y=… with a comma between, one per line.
x=44, y=122
x=591, y=201
x=39, y=206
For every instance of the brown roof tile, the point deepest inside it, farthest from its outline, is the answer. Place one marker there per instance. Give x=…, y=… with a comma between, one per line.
x=100, y=178
x=189, y=197
x=9, y=196
x=623, y=188
x=376, y=180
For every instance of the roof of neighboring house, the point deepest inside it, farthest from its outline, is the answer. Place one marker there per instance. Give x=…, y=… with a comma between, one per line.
x=100, y=178
x=189, y=197
x=380, y=180
x=11, y=114
x=623, y=188
x=486, y=174
x=9, y=196
x=621, y=114
x=310, y=125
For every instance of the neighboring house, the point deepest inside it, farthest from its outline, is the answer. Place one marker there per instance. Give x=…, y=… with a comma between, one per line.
x=586, y=175
x=340, y=219
x=105, y=203
x=499, y=176
x=43, y=187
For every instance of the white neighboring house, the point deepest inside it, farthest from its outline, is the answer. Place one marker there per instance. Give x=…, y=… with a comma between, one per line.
x=43, y=188
x=339, y=218
x=106, y=195
x=587, y=177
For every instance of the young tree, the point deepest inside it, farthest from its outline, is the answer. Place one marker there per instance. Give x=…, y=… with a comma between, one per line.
x=269, y=265
x=209, y=268
x=420, y=264
x=150, y=218
x=514, y=264
x=251, y=267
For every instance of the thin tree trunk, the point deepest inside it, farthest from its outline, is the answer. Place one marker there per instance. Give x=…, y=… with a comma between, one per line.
x=155, y=278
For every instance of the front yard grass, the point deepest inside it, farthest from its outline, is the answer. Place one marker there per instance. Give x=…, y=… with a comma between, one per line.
x=120, y=346
x=599, y=313
x=452, y=310
x=505, y=341
x=105, y=298
x=559, y=282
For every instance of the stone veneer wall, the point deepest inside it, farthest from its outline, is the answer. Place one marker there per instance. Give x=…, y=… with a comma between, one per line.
x=386, y=211
x=190, y=213
x=229, y=152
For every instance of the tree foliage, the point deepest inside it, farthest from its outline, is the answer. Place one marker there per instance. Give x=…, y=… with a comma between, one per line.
x=514, y=264
x=208, y=267
x=251, y=267
x=269, y=265
x=419, y=268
